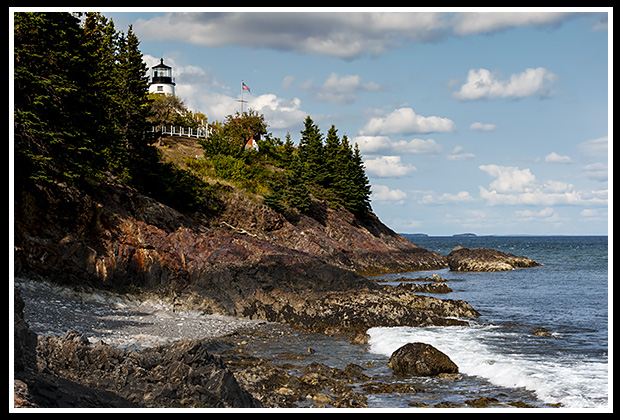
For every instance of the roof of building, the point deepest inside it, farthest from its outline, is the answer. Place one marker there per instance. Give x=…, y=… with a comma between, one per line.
x=161, y=65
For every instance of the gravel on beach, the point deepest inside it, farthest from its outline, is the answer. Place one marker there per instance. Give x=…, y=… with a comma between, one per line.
x=117, y=320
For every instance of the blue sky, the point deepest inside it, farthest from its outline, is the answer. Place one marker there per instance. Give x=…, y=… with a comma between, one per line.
x=485, y=122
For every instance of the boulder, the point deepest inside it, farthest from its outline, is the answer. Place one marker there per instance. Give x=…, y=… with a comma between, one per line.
x=421, y=359
x=485, y=259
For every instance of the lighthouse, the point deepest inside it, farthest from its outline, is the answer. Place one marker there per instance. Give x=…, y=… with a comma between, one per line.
x=161, y=79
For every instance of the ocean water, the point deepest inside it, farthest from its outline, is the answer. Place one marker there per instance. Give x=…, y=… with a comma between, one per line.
x=498, y=355
x=567, y=297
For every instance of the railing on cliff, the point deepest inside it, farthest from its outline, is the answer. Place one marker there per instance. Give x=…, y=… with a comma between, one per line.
x=165, y=130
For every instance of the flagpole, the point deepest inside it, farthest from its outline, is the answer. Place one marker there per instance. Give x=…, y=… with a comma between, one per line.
x=242, y=101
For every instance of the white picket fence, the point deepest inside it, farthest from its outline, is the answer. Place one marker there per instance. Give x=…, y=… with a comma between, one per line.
x=165, y=130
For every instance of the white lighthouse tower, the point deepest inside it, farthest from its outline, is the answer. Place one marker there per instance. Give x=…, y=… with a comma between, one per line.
x=162, y=80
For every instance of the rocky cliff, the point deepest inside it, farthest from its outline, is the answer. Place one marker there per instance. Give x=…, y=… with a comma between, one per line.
x=247, y=261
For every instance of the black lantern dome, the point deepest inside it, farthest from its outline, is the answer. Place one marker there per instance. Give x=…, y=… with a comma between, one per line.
x=162, y=74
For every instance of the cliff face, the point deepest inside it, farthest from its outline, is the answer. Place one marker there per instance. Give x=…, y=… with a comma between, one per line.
x=249, y=261
x=335, y=235
x=117, y=237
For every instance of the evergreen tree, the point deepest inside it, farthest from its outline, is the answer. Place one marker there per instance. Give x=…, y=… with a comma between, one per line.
x=311, y=152
x=287, y=151
x=297, y=194
x=80, y=95
x=54, y=107
x=132, y=89
x=351, y=183
x=275, y=198
x=362, y=191
x=332, y=144
x=100, y=41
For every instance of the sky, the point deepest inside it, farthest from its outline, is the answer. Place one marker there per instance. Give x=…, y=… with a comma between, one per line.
x=469, y=121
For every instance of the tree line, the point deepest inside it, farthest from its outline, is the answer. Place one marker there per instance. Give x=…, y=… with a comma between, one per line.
x=80, y=105
x=326, y=167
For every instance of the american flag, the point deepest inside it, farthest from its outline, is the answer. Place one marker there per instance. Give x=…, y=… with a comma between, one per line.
x=244, y=87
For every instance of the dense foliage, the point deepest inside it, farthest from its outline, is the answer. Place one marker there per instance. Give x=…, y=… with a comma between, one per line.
x=82, y=113
x=329, y=169
x=80, y=102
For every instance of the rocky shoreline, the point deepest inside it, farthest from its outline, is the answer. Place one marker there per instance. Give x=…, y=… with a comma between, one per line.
x=104, y=350
x=169, y=284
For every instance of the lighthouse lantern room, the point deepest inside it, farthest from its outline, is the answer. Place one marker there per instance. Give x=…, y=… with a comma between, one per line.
x=161, y=79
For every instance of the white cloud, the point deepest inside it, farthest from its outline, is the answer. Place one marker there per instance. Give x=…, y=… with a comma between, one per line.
x=405, y=121
x=514, y=186
x=280, y=113
x=383, y=144
x=287, y=82
x=481, y=22
x=347, y=35
x=343, y=89
x=548, y=214
x=553, y=157
x=384, y=193
x=388, y=166
x=446, y=198
x=458, y=153
x=597, y=171
x=589, y=213
x=478, y=126
x=202, y=91
x=404, y=225
x=595, y=147
x=482, y=84
x=595, y=215
x=509, y=178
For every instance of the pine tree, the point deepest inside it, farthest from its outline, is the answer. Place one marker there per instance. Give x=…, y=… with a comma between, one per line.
x=297, y=194
x=132, y=85
x=330, y=155
x=351, y=183
x=287, y=151
x=54, y=105
x=362, y=191
x=311, y=152
x=275, y=198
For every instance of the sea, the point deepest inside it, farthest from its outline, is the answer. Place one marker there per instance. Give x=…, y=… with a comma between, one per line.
x=500, y=355
x=567, y=299
x=542, y=339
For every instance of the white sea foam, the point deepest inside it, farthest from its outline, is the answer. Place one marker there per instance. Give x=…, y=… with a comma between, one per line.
x=477, y=352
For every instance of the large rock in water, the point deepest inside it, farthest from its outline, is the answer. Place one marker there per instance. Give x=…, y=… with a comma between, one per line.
x=421, y=359
x=485, y=259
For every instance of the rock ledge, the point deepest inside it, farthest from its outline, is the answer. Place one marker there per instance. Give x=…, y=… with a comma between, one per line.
x=485, y=259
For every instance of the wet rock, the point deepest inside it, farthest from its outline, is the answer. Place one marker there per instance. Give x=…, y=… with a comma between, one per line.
x=183, y=374
x=25, y=341
x=352, y=313
x=485, y=259
x=542, y=332
x=482, y=402
x=426, y=287
x=421, y=359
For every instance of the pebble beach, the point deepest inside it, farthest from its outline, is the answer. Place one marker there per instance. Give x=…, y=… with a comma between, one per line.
x=117, y=320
